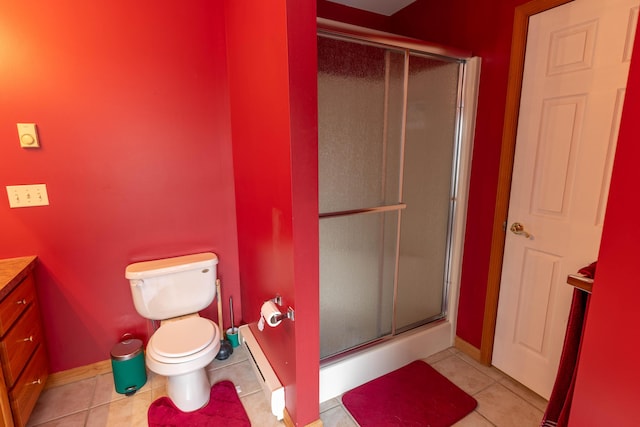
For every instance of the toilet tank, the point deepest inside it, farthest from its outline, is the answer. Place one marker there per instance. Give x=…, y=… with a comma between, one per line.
x=173, y=287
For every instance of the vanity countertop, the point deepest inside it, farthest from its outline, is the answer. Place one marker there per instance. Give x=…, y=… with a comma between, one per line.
x=12, y=271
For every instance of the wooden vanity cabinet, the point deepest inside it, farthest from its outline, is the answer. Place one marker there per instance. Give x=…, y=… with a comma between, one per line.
x=22, y=351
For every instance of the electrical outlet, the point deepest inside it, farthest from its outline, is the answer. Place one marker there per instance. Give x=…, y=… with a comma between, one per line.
x=24, y=196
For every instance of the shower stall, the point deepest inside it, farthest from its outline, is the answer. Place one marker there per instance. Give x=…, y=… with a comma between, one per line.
x=395, y=122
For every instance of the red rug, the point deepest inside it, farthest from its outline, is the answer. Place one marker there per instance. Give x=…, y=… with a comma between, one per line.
x=414, y=395
x=224, y=409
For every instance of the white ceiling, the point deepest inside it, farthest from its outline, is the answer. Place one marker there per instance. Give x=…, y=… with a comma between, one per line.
x=382, y=7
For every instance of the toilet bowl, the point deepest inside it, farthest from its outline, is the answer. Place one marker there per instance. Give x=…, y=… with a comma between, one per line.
x=174, y=290
x=181, y=350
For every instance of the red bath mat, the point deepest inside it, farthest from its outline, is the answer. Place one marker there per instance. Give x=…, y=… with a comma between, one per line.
x=224, y=409
x=414, y=395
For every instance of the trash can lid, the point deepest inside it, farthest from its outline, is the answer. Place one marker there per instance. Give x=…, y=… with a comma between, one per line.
x=126, y=349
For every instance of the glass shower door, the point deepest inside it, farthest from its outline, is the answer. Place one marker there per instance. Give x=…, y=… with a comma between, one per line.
x=429, y=173
x=360, y=91
x=385, y=180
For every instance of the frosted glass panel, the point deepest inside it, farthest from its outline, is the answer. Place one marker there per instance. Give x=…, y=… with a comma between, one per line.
x=357, y=261
x=359, y=145
x=363, y=160
x=428, y=171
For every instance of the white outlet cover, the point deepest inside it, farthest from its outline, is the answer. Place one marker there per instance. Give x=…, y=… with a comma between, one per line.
x=24, y=196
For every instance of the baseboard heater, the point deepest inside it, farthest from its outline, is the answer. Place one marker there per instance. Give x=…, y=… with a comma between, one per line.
x=271, y=385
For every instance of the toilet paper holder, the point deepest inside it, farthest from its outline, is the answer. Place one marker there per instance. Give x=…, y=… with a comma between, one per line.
x=290, y=314
x=277, y=300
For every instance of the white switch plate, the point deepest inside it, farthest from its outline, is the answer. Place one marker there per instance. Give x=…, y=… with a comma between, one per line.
x=24, y=196
x=28, y=135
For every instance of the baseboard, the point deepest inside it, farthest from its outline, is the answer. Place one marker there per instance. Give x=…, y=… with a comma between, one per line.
x=469, y=349
x=78, y=374
x=271, y=386
x=288, y=421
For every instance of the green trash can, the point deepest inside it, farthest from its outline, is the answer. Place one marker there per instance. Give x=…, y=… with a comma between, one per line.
x=127, y=364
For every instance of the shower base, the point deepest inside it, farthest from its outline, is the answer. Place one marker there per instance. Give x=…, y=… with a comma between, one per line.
x=350, y=371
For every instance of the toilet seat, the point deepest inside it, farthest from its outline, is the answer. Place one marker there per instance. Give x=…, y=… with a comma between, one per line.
x=183, y=337
x=176, y=365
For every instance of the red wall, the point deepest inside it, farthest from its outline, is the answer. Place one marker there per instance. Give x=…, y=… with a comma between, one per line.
x=274, y=127
x=607, y=391
x=131, y=103
x=303, y=101
x=338, y=12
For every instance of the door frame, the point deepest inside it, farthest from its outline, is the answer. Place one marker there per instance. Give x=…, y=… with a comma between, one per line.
x=509, y=133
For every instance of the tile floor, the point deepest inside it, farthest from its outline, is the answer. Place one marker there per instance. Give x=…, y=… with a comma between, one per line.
x=94, y=402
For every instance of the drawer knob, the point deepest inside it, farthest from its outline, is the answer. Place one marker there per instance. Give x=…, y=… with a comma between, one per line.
x=22, y=301
x=28, y=339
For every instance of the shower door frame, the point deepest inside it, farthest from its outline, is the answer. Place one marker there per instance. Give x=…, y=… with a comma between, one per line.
x=464, y=128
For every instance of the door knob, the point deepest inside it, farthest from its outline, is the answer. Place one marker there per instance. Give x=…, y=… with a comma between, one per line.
x=517, y=228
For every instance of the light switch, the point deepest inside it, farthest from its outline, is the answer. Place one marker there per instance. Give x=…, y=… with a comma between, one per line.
x=24, y=196
x=28, y=135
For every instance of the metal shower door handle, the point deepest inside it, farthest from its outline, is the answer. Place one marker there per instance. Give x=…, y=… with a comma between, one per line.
x=517, y=228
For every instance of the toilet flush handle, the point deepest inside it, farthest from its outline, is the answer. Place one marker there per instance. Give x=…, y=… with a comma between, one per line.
x=137, y=282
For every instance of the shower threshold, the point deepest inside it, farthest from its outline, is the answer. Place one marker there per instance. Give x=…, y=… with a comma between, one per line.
x=345, y=371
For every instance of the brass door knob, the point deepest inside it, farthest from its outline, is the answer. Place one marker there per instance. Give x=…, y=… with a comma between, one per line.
x=517, y=228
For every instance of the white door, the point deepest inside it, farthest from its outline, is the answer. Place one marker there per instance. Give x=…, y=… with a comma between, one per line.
x=575, y=74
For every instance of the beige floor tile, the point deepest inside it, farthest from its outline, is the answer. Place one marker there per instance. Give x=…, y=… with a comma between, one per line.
x=439, y=356
x=473, y=420
x=462, y=374
x=328, y=404
x=239, y=354
x=505, y=409
x=64, y=400
x=525, y=393
x=155, y=380
x=490, y=371
x=159, y=392
x=500, y=398
x=259, y=411
x=75, y=420
x=241, y=374
x=337, y=417
x=105, y=390
x=129, y=412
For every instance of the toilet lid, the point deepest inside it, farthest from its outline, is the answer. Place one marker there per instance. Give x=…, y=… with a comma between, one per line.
x=183, y=337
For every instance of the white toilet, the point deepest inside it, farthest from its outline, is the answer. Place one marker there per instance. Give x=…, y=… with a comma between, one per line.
x=174, y=290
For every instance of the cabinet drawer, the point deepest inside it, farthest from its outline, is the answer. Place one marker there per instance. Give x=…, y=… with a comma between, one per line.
x=16, y=302
x=19, y=344
x=28, y=387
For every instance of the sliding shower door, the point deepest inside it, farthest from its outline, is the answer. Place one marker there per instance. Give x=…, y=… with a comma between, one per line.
x=430, y=161
x=387, y=168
